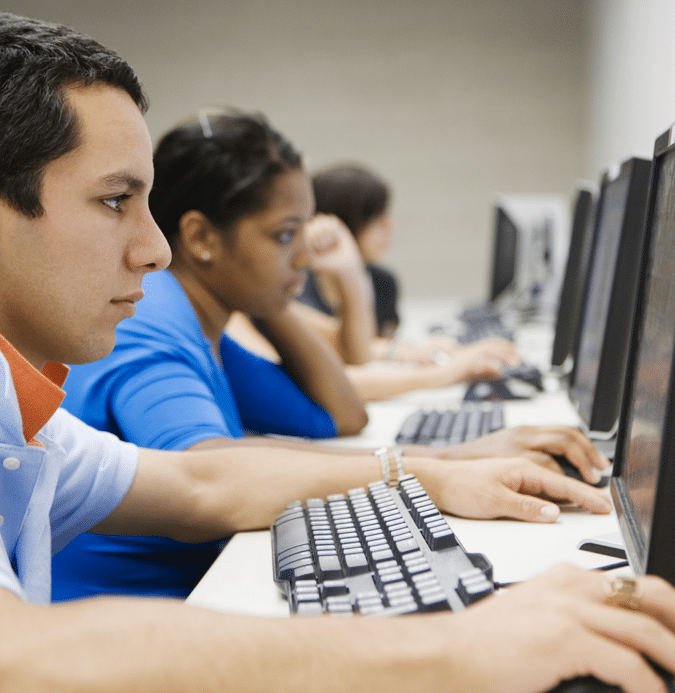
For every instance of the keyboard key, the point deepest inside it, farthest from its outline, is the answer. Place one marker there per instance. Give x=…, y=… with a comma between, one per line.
x=356, y=563
x=329, y=567
x=382, y=554
x=334, y=587
x=338, y=605
x=309, y=608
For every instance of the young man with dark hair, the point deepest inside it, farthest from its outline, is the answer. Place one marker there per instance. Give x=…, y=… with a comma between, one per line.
x=76, y=239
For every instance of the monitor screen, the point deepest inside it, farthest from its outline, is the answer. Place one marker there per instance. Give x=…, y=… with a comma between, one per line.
x=504, y=254
x=601, y=350
x=643, y=485
x=574, y=280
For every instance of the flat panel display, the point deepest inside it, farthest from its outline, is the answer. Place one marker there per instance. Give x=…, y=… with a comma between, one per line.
x=601, y=352
x=644, y=477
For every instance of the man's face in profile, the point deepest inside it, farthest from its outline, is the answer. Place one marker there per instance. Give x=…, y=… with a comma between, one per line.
x=68, y=277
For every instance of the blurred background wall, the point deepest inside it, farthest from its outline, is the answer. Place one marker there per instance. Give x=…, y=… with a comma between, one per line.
x=452, y=101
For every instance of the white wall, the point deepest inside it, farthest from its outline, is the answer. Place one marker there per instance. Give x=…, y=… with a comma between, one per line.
x=632, y=78
x=452, y=100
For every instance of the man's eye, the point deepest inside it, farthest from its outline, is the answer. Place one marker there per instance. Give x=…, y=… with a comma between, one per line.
x=115, y=202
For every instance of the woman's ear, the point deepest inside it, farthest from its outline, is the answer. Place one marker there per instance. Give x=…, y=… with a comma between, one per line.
x=198, y=238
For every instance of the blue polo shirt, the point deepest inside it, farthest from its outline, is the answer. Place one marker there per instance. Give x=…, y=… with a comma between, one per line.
x=58, y=476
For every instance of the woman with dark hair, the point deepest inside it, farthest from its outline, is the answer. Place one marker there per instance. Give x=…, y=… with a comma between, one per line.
x=360, y=199
x=232, y=199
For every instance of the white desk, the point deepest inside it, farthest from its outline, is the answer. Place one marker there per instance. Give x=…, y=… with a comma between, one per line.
x=240, y=580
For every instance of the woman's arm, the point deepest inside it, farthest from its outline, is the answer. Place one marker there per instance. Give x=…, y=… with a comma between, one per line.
x=316, y=368
x=482, y=360
x=335, y=255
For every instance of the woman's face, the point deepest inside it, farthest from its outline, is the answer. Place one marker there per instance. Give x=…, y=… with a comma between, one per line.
x=261, y=264
x=375, y=239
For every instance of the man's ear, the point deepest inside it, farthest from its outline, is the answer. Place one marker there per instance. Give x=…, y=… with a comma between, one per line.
x=198, y=237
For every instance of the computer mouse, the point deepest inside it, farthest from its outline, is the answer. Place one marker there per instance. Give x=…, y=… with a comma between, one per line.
x=589, y=684
x=526, y=373
x=570, y=470
x=586, y=684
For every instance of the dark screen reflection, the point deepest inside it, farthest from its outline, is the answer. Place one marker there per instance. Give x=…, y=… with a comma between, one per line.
x=602, y=272
x=650, y=391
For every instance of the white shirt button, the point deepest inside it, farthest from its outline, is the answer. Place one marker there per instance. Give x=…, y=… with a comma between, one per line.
x=11, y=463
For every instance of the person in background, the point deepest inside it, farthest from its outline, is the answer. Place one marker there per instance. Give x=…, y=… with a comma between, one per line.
x=232, y=198
x=360, y=200
x=76, y=239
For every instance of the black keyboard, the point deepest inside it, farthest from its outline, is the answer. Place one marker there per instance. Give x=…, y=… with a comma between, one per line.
x=481, y=322
x=475, y=323
x=451, y=426
x=484, y=330
x=380, y=550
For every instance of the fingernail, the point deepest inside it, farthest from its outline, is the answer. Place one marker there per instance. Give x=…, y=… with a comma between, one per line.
x=549, y=513
x=595, y=476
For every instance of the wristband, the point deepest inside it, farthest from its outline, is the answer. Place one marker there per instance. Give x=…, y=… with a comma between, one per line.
x=391, y=460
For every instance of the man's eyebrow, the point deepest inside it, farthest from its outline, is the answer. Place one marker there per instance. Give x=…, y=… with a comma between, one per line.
x=128, y=180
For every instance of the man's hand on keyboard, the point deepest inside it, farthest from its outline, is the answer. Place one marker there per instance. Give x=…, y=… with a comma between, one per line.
x=538, y=443
x=501, y=487
x=558, y=626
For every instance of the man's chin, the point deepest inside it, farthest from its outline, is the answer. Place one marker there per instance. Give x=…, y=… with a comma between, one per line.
x=91, y=353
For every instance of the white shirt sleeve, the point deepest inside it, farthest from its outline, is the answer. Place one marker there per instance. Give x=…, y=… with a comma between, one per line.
x=96, y=471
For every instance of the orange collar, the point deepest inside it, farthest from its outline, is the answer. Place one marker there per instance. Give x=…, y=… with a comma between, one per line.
x=39, y=393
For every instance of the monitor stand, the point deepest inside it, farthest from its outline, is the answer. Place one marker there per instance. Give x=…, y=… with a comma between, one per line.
x=606, y=446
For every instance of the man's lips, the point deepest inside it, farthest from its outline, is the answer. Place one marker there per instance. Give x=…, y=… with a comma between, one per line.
x=131, y=298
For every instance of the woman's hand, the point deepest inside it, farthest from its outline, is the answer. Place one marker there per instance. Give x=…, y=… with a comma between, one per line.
x=332, y=247
x=483, y=360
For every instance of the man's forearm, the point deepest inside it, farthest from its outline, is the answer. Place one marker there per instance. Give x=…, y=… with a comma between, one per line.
x=207, y=494
x=158, y=646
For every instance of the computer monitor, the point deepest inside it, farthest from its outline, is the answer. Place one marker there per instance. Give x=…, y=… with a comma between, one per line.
x=531, y=239
x=643, y=481
x=576, y=272
x=601, y=350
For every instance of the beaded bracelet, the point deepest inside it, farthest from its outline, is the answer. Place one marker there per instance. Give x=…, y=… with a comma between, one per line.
x=391, y=460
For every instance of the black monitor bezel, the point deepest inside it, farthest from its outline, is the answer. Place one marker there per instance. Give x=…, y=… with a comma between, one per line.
x=658, y=556
x=498, y=256
x=606, y=402
x=584, y=223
